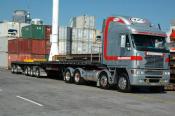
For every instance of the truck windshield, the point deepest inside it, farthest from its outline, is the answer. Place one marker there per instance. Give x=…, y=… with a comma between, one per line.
x=149, y=43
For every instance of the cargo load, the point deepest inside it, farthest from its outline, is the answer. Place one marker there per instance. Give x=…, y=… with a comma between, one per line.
x=28, y=46
x=36, y=31
x=83, y=22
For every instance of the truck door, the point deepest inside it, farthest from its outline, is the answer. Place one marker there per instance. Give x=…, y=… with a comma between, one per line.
x=125, y=52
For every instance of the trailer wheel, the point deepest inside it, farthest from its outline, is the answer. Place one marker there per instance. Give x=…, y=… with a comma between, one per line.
x=31, y=71
x=12, y=68
x=26, y=71
x=123, y=83
x=77, y=78
x=15, y=69
x=103, y=80
x=37, y=72
x=67, y=77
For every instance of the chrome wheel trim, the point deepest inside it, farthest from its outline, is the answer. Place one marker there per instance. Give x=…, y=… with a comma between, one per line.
x=104, y=81
x=67, y=76
x=77, y=77
x=122, y=83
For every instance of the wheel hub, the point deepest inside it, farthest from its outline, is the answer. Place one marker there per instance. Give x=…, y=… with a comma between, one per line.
x=77, y=77
x=104, y=81
x=122, y=83
x=67, y=76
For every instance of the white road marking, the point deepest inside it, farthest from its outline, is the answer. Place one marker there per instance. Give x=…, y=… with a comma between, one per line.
x=29, y=100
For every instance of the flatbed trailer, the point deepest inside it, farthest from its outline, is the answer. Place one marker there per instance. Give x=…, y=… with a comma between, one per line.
x=69, y=70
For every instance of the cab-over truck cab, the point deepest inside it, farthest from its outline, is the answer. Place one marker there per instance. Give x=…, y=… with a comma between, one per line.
x=135, y=53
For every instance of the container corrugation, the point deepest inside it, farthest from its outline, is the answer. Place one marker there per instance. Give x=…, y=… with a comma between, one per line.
x=28, y=46
x=48, y=46
x=13, y=46
x=48, y=31
x=33, y=31
x=3, y=60
x=24, y=46
x=38, y=47
x=4, y=44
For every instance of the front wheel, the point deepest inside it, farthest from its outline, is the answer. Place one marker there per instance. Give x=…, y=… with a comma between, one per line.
x=77, y=78
x=104, y=81
x=123, y=83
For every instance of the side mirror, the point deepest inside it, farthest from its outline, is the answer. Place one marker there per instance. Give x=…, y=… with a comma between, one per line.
x=98, y=38
x=123, y=41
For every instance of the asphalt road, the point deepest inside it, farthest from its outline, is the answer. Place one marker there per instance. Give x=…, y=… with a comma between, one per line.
x=27, y=96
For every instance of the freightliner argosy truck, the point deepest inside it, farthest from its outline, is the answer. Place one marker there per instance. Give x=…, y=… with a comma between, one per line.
x=134, y=53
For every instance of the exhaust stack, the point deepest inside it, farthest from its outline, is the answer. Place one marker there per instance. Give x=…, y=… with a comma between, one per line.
x=55, y=25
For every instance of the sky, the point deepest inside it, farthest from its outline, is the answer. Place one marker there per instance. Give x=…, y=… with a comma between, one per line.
x=157, y=11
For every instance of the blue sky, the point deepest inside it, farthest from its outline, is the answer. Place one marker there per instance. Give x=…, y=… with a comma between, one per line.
x=158, y=11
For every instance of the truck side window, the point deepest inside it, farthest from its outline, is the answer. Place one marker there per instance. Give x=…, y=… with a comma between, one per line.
x=127, y=42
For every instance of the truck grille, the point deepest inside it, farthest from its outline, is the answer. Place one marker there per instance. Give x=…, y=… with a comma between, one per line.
x=152, y=72
x=154, y=62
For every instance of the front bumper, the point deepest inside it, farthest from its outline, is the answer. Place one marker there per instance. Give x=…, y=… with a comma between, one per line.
x=145, y=77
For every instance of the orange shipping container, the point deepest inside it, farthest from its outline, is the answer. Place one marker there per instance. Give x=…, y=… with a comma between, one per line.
x=29, y=46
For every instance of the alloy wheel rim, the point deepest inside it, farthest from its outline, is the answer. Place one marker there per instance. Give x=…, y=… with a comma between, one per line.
x=122, y=83
x=77, y=77
x=67, y=76
x=103, y=81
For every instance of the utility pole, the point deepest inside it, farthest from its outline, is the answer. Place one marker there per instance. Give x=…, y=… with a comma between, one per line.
x=55, y=25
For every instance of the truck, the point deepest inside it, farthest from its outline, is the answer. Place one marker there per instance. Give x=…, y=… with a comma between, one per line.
x=134, y=54
x=171, y=44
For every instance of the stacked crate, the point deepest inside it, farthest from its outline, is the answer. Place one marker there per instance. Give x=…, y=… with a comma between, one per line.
x=84, y=36
x=83, y=41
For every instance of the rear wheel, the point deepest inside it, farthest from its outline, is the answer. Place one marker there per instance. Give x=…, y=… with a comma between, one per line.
x=27, y=71
x=123, y=83
x=68, y=78
x=15, y=69
x=37, y=72
x=77, y=78
x=31, y=71
x=104, y=81
x=12, y=68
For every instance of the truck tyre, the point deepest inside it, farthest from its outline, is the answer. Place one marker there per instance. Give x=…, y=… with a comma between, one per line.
x=25, y=71
x=77, y=78
x=103, y=81
x=28, y=71
x=37, y=73
x=67, y=77
x=123, y=83
x=12, y=69
x=31, y=71
x=15, y=69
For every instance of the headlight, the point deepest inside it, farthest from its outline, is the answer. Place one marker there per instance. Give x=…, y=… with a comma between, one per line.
x=167, y=73
x=137, y=72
